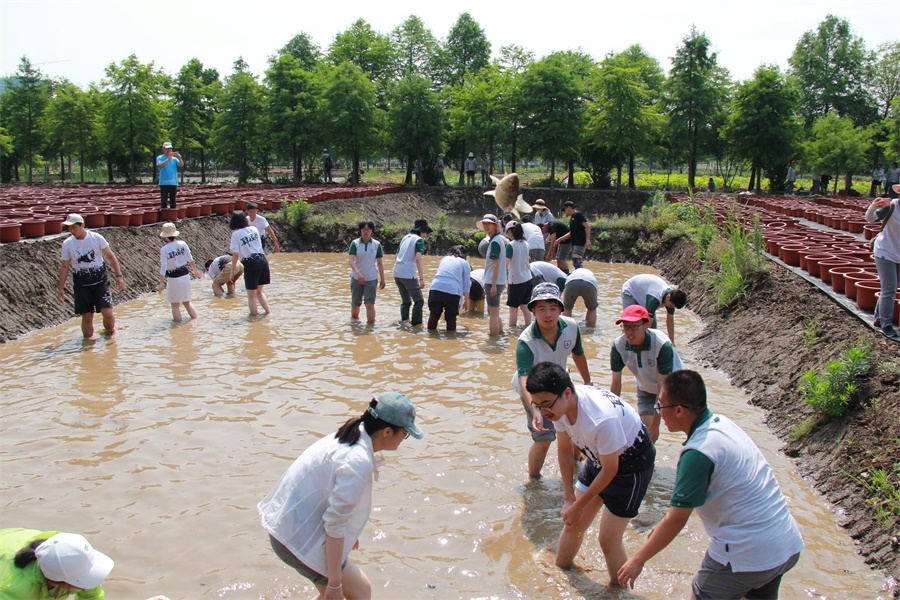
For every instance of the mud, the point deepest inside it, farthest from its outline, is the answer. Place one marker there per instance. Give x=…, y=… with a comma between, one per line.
x=759, y=342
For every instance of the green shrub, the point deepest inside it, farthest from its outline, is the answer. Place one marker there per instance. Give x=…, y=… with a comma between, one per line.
x=295, y=213
x=837, y=389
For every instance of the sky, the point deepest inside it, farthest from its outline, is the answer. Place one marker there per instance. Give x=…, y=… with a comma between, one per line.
x=77, y=39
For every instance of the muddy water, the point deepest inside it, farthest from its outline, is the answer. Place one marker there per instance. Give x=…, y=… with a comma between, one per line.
x=158, y=444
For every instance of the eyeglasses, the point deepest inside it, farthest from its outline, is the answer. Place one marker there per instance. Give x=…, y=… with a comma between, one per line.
x=632, y=327
x=405, y=437
x=548, y=407
x=659, y=407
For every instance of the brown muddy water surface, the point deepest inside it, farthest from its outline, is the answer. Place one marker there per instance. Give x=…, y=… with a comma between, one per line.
x=158, y=444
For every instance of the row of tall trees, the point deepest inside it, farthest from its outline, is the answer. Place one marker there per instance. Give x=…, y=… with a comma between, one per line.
x=407, y=95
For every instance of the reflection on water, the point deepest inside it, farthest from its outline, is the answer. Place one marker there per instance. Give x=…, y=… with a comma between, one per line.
x=158, y=443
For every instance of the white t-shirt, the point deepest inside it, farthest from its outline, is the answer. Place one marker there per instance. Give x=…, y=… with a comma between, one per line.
x=86, y=258
x=534, y=236
x=583, y=274
x=260, y=222
x=219, y=263
x=174, y=257
x=605, y=424
x=247, y=242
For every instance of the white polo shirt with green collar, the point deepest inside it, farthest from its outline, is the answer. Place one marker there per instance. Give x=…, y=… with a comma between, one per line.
x=533, y=348
x=655, y=357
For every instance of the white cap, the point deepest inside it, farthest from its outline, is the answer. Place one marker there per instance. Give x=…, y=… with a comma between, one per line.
x=167, y=144
x=69, y=558
x=73, y=218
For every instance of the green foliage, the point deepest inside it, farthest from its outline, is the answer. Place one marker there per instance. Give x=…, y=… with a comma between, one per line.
x=468, y=50
x=291, y=105
x=811, y=335
x=350, y=108
x=838, y=145
x=837, y=390
x=416, y=119
x=23, y=109
x=239, y=123
x=734, y=259
x=884, y=494
x=802, y=430
x=295, y=213
x=830, y=65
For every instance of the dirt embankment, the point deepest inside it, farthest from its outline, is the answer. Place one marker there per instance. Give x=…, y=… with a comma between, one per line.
x=759, y=343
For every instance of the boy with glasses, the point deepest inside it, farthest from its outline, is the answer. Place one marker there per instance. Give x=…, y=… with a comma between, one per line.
x=618, y=466
x=649, y=355
x=551, y=337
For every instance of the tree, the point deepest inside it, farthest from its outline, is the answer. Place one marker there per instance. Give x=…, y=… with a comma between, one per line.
x=838, y=146
x=414, y=49
x=622, y=118
x=302, y=48
x=366, y=48
x=192, y=108
x=28, y=94
x=415, y=119
x=692, y=95
x=552, y=108
x=762, y=128
x=292, y=102
x=653, y=78
x=238, y=123
x=349, y=112
x=513, y=61
x=831, y=66
x=468, y=50
x=133, y=111
x=72, y=122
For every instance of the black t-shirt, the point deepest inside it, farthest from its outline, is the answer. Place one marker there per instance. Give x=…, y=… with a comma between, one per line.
x=576, y=224
x=558, y=228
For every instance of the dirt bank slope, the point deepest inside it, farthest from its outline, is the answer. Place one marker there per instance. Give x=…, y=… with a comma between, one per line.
x=760, y=344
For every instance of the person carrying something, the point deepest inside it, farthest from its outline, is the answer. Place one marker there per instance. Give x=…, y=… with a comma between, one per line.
x=554, y=338
x=616, y=473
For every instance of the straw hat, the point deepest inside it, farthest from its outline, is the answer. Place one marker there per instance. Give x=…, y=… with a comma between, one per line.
x=539, y=205
x=169, y=230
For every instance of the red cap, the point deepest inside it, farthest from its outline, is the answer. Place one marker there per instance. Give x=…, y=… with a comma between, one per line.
x=634, y=313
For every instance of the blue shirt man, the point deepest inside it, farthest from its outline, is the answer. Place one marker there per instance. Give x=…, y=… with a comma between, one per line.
x=168, y=163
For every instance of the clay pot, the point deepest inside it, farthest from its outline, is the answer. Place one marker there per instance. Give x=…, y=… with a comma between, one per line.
x=240, y=205
x=825, y=267
x=851, y=279
x=182, y=212
x=206, y=209
x=53, y=225
x=813, y=260
x=10, y=231
x=856, y=226
x=168, y=215
x=220, y=208
x=151, y=215
x=276, y=205
x=119, y=219
x=136, y=218
x=95, y=219
x=192, y=211
x=790, y=254
x=865, y=294
x=837, y=277
x=32, y=228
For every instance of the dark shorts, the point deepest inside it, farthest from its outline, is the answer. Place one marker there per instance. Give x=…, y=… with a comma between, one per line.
x=256, y=271
x=167, y=192
x=476, y=292
x=624, y=494
x=493, y=301
x=564, y=252
x=92, y=298
x=715, y=580
x=536, y=254
x=442, y=302
x=288, y=558
x=519, y=294
x=471, y=174
x=362, y=292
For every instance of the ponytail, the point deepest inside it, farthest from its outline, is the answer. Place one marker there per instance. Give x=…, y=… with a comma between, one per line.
x=349, y=431
x=26, y=555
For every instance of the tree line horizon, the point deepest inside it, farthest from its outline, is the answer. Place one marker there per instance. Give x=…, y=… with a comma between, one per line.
x=407, y=95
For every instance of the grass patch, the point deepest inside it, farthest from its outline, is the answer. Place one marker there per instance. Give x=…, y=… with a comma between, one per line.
x=811, y=333
x=803, y=429
x=837, y=389
x=883, y=493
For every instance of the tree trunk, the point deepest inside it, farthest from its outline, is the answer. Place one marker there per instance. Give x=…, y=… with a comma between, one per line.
x=295, y=169
x=571, y=173
x=513, y=161
x=202, y=166
x=62, y=167
x=619, y=174
x=109, y=170
x=631, y=185
x=409, y=170
x=552, y=175
x=81, y=165
x=354, y=176
x=848, y=182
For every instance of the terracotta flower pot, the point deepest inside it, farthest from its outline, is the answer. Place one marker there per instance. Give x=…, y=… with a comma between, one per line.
x=95, y=219
x=851, y=279
x=825, y=267
x=192, y=211
x=10, y=231
x=119, y=218
x=32, y=228
x=813, y=260
x=206, y=209
x=53, y=225
x=790, y=254
x=837, y=277
x=151, y=215
x=865, y=294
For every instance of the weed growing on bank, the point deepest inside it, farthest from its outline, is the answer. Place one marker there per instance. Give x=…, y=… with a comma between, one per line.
x=811, y=333
x=837, y=390
x=884, y=495
x=295, y=213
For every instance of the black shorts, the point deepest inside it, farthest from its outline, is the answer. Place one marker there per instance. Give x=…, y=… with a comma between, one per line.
x=519, y=294
x=256, y=271
x=476, y=292
x=439, y=302
x=92, y=298
x=624, y=494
